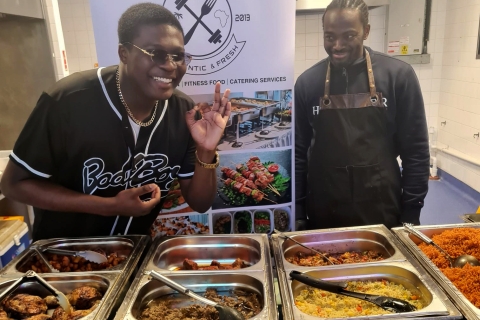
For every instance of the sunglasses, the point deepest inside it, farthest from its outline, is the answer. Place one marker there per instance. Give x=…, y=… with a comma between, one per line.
x=159, y=57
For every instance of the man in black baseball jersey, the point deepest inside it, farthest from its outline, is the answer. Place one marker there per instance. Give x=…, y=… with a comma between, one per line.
x=103, y=146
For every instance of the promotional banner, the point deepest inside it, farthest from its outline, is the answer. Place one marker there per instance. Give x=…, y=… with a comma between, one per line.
x=248, y=46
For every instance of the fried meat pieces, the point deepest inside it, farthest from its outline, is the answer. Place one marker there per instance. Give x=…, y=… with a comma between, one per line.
x=25, y=305
x=215, y=265
x=30, y=307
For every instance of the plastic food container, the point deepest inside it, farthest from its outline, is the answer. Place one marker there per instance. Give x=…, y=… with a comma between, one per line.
x=13, y=240
x=282, y=219
x=262, y=221
x=242, y=222
x=222, y=223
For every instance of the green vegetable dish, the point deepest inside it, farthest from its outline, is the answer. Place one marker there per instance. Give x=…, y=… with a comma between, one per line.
x=243, y=222
x=235, y=198
x=262, y=222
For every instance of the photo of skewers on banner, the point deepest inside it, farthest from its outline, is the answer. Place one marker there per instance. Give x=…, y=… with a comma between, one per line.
x=263, y=178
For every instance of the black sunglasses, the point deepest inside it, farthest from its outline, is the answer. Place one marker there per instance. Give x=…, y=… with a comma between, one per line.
x=159, y=57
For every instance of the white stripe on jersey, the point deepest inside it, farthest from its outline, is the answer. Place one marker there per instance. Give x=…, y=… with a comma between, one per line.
x=184, y=175
x=128, y=226
x=38, y=173
x=114, y=226
x=99, y=75
x=156, y=126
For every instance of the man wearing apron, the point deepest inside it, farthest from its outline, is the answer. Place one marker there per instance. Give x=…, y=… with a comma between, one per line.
x=355, y=113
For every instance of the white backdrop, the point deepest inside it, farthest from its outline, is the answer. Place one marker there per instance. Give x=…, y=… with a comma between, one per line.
x=247, y=45
x=264, y=46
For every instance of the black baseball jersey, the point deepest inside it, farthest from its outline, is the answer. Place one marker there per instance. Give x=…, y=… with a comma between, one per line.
x=79, y=136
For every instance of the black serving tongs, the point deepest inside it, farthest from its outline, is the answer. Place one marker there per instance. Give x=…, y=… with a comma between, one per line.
x=28, y=277
x=387, y=303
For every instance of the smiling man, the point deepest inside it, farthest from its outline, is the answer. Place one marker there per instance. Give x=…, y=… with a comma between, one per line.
x=355, y=113
x=102, y=147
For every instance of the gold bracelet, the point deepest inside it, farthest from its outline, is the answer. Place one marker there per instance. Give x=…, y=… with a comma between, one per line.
x=209, y=165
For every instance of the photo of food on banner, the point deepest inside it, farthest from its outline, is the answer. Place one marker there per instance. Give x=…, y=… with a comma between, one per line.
x=262, y=220
x=180, y=225
x=174, y=201
x=259, y=119
x=253, y=179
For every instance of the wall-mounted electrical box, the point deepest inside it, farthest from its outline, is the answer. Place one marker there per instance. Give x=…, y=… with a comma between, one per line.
x=406, y=27
x=24, y=8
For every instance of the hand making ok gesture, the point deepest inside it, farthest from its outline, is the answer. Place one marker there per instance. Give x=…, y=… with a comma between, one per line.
x=207, y=131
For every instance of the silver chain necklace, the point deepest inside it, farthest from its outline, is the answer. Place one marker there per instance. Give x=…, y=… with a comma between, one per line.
x=130, y=114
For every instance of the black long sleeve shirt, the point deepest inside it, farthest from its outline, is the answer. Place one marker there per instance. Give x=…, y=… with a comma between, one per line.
x=407, y=127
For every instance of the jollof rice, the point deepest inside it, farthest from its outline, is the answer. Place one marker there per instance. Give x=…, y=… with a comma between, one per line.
x=456, y=242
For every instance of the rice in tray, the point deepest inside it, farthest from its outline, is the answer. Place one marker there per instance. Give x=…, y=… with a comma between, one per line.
x=325, y=304
x=456, y=242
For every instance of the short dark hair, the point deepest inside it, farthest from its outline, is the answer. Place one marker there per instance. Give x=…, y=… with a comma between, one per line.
x=359, y=5
x=142, y=14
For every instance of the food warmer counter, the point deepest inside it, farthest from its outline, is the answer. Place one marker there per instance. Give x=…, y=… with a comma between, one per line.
x=470, y=218
x=167, y=256
x=398, y=267
x=241, y=113
x=411, y=242
x=112, y=282
x=106, y=284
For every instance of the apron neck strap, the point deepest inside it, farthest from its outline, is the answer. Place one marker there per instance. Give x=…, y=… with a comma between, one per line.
x=327, y=84
x=371, y=79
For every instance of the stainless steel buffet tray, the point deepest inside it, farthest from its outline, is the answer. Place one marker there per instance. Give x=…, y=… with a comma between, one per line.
x=166, y=252
x=130, y=246
x=266, y=106
x=241, y=116
x=105, y=283
x=411, y=242
x=376, y=237
x=399, y=267
x=471, y=217
x=170, y=252
x=399, y=272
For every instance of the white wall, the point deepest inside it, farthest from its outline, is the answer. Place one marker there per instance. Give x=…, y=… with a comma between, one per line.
x=78, y=34
x=57, y=43
x=429, y=75
x=458, y=95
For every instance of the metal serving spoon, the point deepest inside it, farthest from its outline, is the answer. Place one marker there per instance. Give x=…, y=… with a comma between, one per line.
x=459, y=262
x=226, y=313
x=281, y=234
x=387, y=303
x=87, y=254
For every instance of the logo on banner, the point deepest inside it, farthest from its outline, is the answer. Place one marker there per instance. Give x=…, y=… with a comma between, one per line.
x=209, y=34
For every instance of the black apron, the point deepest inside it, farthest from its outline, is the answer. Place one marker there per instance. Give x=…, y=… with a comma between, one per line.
x=353, y=176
